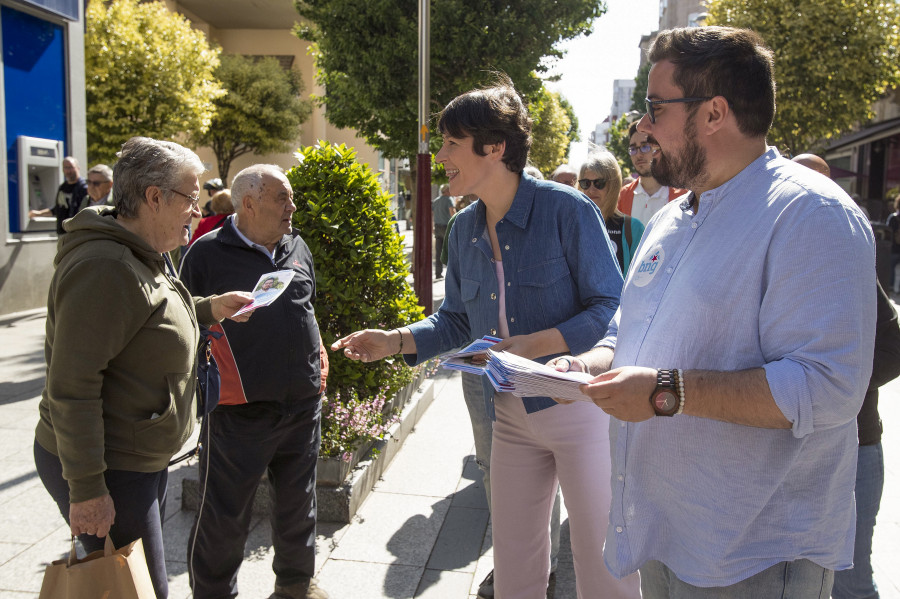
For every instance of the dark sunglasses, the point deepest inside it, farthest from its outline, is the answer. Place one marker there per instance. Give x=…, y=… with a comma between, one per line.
x=90, y=182
x=632, y=150
x=651, y=104
x=586, y=183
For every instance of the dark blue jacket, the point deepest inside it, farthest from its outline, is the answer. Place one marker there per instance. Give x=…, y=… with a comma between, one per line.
x=274, y=356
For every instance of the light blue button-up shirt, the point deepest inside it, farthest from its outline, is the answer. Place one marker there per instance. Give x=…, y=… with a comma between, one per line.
x=776, y=270
x=559, y=271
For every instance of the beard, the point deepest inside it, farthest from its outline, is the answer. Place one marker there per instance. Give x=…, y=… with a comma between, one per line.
x=686, y=169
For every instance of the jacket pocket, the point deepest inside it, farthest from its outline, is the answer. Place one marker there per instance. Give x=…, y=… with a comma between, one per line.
x=166, y=433
x=468, y=289
x=549, y=292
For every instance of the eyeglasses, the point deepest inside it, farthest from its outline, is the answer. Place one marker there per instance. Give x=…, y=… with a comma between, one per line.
x=585, y=184
x=643, y=149
x=651, y=104
x=96, y=183
x=194, y=200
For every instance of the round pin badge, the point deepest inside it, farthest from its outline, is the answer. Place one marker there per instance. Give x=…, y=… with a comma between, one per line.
x=647, y=267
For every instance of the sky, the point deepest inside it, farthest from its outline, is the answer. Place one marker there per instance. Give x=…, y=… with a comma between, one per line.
x=593, y=62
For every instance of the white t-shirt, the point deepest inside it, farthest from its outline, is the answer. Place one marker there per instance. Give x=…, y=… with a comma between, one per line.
x=645, y=205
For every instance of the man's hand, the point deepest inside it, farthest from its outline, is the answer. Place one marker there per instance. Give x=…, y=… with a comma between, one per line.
x=624, y=392
x=566, y=364
x=367, y=345
x=225, y=305
x=92, y=517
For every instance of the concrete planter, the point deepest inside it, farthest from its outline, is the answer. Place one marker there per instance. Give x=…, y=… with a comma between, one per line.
x=342, y=486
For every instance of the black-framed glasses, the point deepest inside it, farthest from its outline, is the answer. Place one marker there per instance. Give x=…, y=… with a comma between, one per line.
x=194, y=200
x=643, y=149
x=92, y=182
x=585, y=184
x=651, y=104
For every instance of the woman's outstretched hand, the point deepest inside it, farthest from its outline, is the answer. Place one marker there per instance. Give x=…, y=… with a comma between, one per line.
x=368, y=345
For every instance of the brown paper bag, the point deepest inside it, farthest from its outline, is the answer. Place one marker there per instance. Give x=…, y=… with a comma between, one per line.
x=108, y=574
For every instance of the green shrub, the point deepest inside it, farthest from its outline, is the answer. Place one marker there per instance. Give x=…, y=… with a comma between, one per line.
x=345, y=218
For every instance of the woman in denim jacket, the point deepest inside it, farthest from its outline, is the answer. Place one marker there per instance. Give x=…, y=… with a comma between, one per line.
x=523, y=266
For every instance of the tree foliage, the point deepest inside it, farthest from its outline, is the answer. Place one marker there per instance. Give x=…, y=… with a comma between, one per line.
x=551, y=131
x=618, y=142
x=640, y=88
x=833, y=60
x=147, y=73
x=261, y=112
x=367, y=55
x=346, y=221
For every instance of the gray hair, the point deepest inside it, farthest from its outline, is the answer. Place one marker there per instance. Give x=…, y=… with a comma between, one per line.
x=566, y=169
x=445, y=189
x=102, y=170
x=73, y=160
x=249, y=182
x=145, y=162
x=604, y=164
x=533, y=171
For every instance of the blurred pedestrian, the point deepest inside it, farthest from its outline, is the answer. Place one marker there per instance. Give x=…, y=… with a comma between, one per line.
x=69, y=196
x=221, y=207
x=601, y=180
x=99, y=182
x=565, y=174
x=442, y=209
x=644, y=196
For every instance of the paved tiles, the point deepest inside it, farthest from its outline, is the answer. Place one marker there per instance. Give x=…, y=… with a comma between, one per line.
x=423, y=532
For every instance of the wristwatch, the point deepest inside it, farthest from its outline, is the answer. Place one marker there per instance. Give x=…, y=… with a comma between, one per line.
x=664, y=399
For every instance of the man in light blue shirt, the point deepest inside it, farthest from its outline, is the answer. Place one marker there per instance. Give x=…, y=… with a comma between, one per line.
x=748, y=315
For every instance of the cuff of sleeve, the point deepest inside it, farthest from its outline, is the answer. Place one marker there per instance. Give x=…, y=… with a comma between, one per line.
x=426, y=343
x=579, y=332
x=203, y=306
x=88, y=487
x=787, y=383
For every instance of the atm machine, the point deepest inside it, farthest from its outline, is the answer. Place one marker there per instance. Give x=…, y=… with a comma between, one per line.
x=40, y=175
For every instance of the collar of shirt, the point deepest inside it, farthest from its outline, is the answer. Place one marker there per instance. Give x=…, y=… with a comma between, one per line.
x=661, y=193
x=249, y=243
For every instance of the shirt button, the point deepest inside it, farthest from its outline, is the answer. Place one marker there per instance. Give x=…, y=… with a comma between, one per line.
x=508, y=283
x=693, y=225
x=620, y=477
x=669, y=270
x=649, y=318
x=622, y=424
x=506, y=246
x=474, y=239
x=619, y=529
x=493, y=296
x=493, y=331
x=512, y=319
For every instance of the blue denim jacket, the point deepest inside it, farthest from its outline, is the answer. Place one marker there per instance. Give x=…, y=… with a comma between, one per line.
x=559, y=269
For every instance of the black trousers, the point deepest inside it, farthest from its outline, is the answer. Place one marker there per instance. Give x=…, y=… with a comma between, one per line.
x=440, y=231
x=243, y=443
x=140, y=502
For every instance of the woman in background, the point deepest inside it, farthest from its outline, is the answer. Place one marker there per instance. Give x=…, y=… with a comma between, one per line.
x=601, y=180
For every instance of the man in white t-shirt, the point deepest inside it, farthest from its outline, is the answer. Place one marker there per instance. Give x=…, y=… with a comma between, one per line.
x=643, y=198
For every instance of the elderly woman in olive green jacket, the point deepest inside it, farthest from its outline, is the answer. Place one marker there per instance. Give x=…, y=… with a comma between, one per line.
x=122, y=336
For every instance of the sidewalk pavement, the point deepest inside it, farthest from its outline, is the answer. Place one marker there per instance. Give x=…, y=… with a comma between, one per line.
x=423, y=532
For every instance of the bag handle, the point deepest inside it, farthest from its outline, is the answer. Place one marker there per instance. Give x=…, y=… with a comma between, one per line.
x=108, y=550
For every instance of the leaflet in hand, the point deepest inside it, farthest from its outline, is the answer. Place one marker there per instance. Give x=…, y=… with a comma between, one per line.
x=268, y=288
x=527, y=378
x=472, y=358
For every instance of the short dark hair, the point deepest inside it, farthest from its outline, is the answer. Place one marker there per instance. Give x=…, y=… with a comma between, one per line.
x=723, y=61
x=491, y=115
x=633, y=129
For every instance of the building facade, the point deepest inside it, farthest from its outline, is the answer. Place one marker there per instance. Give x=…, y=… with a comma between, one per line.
x=42, y=108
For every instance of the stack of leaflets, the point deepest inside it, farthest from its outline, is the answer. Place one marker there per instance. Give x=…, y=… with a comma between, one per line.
x=526, y=378
x=472, y=358
x=514, y=374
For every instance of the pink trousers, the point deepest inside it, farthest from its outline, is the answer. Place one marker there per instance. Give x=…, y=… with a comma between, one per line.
x=531, y=452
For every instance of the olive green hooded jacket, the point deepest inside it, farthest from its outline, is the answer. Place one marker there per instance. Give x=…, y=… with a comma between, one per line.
x=121, y=356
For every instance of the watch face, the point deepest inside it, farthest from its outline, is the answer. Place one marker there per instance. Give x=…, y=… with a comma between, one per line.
x=665, y=402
